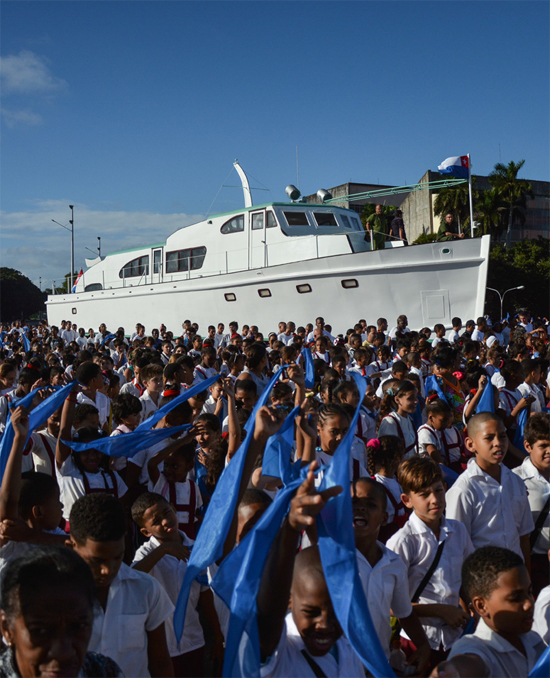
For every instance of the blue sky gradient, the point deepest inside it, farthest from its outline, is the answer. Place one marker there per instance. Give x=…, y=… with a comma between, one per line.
x=135, y=111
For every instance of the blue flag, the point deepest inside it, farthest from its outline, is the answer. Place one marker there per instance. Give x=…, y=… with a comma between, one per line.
x=37, y=417
x=26, y=343
x=431, y=384
x=337, y=547
x=310, y=369
x=184, y=397
x=487, y=401
x=128, y=444
x=542, y=668
x=519, y=436
x=108, y=338
x=210, y=541
x=276, y=460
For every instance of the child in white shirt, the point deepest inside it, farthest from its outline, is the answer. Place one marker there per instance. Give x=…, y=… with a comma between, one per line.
x=396, y=408
x=151, y=375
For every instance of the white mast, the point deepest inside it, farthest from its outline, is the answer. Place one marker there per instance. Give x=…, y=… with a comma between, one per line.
x=470, y=196
x=246, y=185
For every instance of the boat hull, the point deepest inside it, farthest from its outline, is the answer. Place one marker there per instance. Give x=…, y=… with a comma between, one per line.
x=429, y=283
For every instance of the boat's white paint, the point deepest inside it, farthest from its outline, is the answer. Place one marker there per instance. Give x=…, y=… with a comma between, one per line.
x=430, y=283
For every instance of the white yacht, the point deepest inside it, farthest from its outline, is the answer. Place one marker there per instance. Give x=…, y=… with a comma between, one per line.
x=278, y=261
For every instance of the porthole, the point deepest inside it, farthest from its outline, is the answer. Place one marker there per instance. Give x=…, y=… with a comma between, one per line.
x=349, y=283
x=74, y=311
x=446, y=250
x=264, y=293
x=304, y=288
x=229, y=296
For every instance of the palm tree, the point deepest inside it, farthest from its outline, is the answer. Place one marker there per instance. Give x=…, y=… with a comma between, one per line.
x=488, y=213
x=455, y=200
x=512, y=191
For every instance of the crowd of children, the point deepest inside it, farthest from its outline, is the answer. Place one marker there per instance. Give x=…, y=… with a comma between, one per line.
x=450, y=490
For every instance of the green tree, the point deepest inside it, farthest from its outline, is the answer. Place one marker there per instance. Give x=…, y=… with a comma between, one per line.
x=456, y=200
x=512, y=191
x=19, y=297
x=370, y=208
x=488, y=214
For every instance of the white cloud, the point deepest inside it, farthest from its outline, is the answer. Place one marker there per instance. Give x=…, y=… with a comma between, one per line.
x=20, y=118
x=27, y=73
x=34, y=245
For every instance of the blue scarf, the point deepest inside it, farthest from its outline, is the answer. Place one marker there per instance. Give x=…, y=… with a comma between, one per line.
x=487, y=401
x=37, y=417
x=310, y=369
x=209, y=545
x=542, y=668
x=431, y=384
x=276, y=460
x=519, y=437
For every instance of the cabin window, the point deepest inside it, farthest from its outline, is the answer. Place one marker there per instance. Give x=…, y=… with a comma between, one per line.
x=135, y=268
x=356, y=223
x=229, y=296
x=234, y=225
x=258, y=221
x=349, y=283
x=296, y=218
x=345, y=221
x=271, y=221
x=264, y=293
x=183, y=260
x=304, y=288
x=325, y=219
x=93, y=287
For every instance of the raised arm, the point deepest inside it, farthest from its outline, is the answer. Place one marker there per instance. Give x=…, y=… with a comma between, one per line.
x=234, y=440
x=11, y=482
x=62, y=452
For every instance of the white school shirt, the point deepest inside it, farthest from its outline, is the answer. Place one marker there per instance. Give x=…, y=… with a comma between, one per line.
x=132, y=388
x=454, y=442
x=328, y=335
x=396, y=491
x=417, y=545
x=377, y=366
x=287, y=339
x=418, y=371
x=120, y=463
x=501, y=658
x=527, y=390
x=508, y=400
x=494, y=514
x=136, y=604
x=183, y=492
x=202, y=373
x=427, y=435
x=142, y=457
x=538, y=492
x=389, y=427
x=82, y=342
x=43, y=445
x=393, y=332
x=102, y=404
x=14, y=549
x=148, y=406
x=354, y=459
x=386, y=588
x=498, y=380
x=542, y=615
x=287, y=660
x=169, y=572
x=71, y=485
x=452, y=337
x=366, y=425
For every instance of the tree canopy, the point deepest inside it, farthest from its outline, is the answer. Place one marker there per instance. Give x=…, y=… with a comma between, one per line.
x=19, y=297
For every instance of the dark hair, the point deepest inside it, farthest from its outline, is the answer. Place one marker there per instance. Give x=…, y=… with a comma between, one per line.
x=44, y=567
x=398, y=388
x=36, y=489
x=537, y=428
x=99, y=517
x=210, y=420
x=171, y=370
x=445, y=357
x=247, y=386
x=378, y=488
x=388, y=455
x=343, y=388
x=510, y=368
x=254, y=496
x=331, y=410
x=87, y=371
x=481, y=569
x=437, y=405
x=124, y=405
x=83, y=410
x=254, y=355
x=399, y=366
x=280, y=390
x=144, y=502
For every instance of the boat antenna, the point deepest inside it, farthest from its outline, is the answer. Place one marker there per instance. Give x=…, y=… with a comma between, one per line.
x=219, y=189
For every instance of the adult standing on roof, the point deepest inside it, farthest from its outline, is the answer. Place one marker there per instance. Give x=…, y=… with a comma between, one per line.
x=377, y=224
x=398, y=227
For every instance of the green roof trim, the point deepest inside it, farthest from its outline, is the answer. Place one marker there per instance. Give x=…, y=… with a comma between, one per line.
x=277, y=204
x=135, y=249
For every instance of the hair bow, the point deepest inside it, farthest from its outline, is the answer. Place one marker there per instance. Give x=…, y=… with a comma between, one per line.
x=374, y=443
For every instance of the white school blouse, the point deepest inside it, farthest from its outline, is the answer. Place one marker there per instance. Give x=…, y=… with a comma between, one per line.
x=287, y=660
x=494, y=514
x=417, y=545
x=169, y=572
x=538, y=492
x=386, y=588
x=396, y=491
x=102, y=403
x=148, y=406
x=542, y=615
x=402, y=427
x=136, y=604
x=501, y=658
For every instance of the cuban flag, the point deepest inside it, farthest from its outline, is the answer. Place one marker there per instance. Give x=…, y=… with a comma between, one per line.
x=76, y=281
x=456, y=166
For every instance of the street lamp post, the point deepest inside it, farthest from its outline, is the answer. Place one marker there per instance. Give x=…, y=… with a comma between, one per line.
x=71, y=221
x=501, y=296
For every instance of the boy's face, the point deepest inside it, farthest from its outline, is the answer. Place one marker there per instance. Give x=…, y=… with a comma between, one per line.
x=247, y=399
x=313, y=614
x=429, y=503
x=103, y=557
x=154, y=384
x=131, y=420
x=539, y=453
x=369, y=513
x=489, y=443
x=209, y=359
x=160, y=521
x=509, y=608
x=176, y=467
x=340, y=367
x=216, y=391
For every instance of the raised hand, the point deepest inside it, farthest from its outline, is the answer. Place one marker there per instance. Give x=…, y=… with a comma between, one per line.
x=20, y=422
x=307, y=503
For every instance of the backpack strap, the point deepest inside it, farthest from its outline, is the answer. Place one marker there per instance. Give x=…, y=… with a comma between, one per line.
x=314, y=666
x=429, y=573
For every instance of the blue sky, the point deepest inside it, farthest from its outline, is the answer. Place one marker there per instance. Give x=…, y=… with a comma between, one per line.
x=135, y=111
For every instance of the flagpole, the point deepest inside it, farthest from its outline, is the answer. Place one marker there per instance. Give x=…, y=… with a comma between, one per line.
x=470, y=196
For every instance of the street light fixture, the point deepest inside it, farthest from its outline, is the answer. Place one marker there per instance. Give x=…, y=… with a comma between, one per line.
x=501, y=296
x=71, y=229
